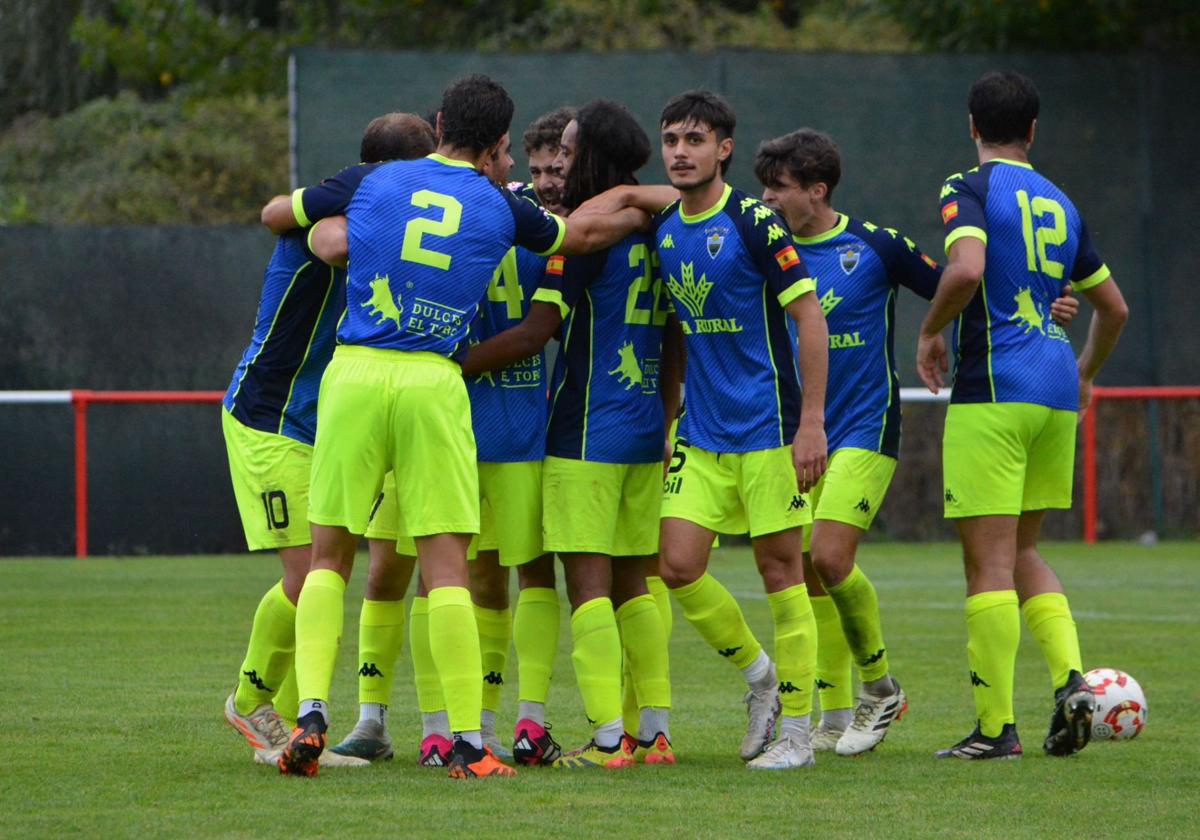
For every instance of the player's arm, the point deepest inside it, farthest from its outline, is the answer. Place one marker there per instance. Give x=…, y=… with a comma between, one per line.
x=597, y=231
x=671, y=381
x=810, y=447
x=960, y=280
x=329, y=242
x=1107, y=323
x=308, y=205
x=651, y=198
x=520, y=342
x=277, y=215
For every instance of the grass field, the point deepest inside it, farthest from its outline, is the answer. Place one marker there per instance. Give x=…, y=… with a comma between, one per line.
x=115, y=672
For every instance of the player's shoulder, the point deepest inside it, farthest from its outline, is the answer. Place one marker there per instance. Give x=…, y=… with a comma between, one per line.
x=523, y=190
x=757, y=223
x=884, y=240
x=973, y=180
x=667, y=214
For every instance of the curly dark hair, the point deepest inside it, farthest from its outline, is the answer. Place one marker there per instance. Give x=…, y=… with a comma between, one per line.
x=476, y=112
x=396, y=136
x=1003, y=105
x=610, y=147
x=809, y=156
x=702, y=107
x=547, y=129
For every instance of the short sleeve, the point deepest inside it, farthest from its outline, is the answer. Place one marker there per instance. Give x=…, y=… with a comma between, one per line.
x=769, y=242
x=905, y=263
x=566, y=279
x=536, y=229
x=1089, y=270
x=962, y=208
x=331, y=197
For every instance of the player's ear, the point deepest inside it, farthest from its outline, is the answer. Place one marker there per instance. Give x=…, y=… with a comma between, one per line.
x=725, y=148
x=970, y=124
x=437, y=127
x=1032, y=131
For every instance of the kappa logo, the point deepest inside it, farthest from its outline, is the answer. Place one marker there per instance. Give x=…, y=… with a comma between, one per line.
x=828, y=301
x=667, y=242
x=728, y=652
x=947, y=189
x=976, y=680
x=494, y=678
x=369, y=669
x=692, y=293
x=798, y=503
x=822, y=684
x=950, y=497
x=863, y=505
x=1028, y=312
x=874, y=657
x=775, y=232
x=382, y=304
x=628, y=371
x=714, y=238
x=848, y=257
x=253, y=678
x=787, y=687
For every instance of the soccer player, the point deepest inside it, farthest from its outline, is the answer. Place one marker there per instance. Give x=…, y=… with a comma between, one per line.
x=393, y=397
x=745, y=452
x=269, y=420
x=859, y=268
x=1012, y=238
x=604, y=445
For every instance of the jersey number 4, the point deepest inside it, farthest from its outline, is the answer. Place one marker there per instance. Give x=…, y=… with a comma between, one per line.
x=1036, y=240
x=411, y=250
x=506, y=286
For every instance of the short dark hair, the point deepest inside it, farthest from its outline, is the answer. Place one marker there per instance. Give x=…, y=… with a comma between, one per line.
x=609, y=147
x=547, y=129
x=809, y=156
x=396, y=136
x=705, y=108
x=1003, y=105
x=476, y=112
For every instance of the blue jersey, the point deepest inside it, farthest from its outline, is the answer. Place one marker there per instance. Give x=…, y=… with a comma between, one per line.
x=508, y=406
x=1006, y=347
x=858, y=267
x=274, y=388
x=425, y=237
x=606, y=405
x=730, y=271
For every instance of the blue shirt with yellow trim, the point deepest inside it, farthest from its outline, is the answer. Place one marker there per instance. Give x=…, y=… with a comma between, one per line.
x=730, y=271
x=1007, y=348
x=605, y=405
x=425, y=237
x=858, y=268
x=509, y=406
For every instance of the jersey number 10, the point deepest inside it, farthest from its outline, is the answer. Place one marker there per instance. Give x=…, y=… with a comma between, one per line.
x=1036, y=241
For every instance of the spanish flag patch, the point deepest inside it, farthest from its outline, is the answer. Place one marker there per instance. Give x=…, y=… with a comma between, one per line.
x=949, y=212
x=555, y=265
x=928, y=261
x=787, y=257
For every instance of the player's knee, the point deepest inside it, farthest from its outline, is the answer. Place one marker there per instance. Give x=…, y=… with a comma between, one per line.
x=832, y=566
x=677, y=571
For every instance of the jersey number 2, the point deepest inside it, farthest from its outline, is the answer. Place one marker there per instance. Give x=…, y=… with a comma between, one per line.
x=640, y=255
x=416, y=228
x=1036, y=241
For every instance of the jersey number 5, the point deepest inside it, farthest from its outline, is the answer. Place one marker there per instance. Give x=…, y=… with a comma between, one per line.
x=416, y=228
x=1054, y=234
x=640, y=255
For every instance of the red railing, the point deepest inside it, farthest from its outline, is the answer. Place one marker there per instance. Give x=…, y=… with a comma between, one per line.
x=81, y=400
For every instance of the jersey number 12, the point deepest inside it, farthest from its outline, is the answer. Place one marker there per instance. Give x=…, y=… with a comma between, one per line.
x=1036, y=241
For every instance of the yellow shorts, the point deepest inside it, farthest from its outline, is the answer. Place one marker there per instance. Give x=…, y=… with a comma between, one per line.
x=735, y=493
x=510, y=513
x=381, y=410
x=852, y=489
x=999, y=459
x=270, y=482
x=598, y=508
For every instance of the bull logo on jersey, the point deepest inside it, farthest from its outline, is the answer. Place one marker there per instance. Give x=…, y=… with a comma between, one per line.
x=1028, y=312
x=714, y=238
x=848, y=256
x=383, y=305
x=628, y=371
x=691, y=292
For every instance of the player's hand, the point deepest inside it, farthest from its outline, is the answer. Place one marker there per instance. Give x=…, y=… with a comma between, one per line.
x=1085, y=397
x=1065, y=307
x=668, y=455
x=609, y=201
x=932, y=361
x=810, y=454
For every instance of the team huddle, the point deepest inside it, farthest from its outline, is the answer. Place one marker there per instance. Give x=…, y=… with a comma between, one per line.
x=724, y=366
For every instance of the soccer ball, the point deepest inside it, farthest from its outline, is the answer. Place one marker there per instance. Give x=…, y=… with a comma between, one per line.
x=1120, y=705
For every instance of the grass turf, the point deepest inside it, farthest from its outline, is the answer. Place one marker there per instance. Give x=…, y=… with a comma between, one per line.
x=115, y=672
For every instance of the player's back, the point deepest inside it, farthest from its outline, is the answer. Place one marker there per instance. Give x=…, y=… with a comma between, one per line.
x=274, y=388
x=1008, y=349
x=605, y=398
x=424, y=238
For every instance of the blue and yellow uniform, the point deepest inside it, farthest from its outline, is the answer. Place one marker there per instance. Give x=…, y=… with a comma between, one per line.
x=270, y=415
x=858, y=268
x=1010, y=431
x=730, y=271
x=605, y=437
x=425, y=238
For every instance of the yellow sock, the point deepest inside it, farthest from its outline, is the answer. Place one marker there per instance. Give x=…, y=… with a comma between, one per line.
x=718, y=619
x=645, y=646
x=1049, y=618
x=454, y=643
x=662, y=597
x=287, y=699
x=270, y=652
x=495, y=635
x=629, y=701
x=834, y=680
x=858, y=606
x=630, y=713
x=425, y=674
x=993, y=634
x=535, y=636
x=380, y=635
x=795, y=648
x=597, y=658
x=319, y=616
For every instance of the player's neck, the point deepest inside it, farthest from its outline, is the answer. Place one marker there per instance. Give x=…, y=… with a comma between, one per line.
x=823, y=219
x=1009, y=151
x=704, y=197
x=464, y=155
